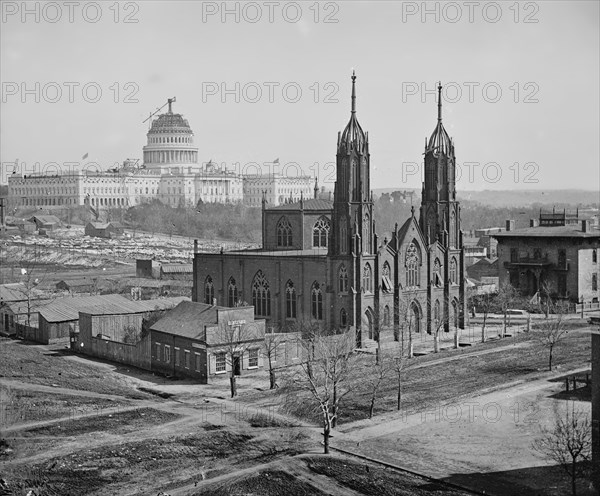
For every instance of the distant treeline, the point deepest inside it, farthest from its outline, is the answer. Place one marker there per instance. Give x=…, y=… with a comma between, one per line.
x=207, y=221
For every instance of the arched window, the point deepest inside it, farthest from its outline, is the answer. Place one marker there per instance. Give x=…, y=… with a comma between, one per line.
x=343, y=318
x=454, y=314
x=261, y=295
x=415, y=317
x=594, y=256
x=232, y=293
x=367, y=279
x=366, y=234
x=284, y=232
x=290, y=300
x=412, y=263
x=386, y=315
x=453, y=271
x=316, y=301
x=343, y=279
x=594, y=282
x=209, y=290
x=321, y=232
x=343, y=237
x=437, y=273
x=386, y=281
x=452, y=229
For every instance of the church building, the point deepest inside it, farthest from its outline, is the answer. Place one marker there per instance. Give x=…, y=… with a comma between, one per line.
x=322, y=263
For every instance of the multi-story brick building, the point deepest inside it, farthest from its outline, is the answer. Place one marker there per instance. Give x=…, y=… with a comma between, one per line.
x=557, y=256
x=322, y=262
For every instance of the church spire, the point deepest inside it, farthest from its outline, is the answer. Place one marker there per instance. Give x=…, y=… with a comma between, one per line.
x=440, y=101
x=353, y=92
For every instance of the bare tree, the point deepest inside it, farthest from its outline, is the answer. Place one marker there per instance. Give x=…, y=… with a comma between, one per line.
x=271, y=343
x=507, y=295
x=568, y=442
x=375, y=377
x=325, y=375
x=552, y=330
x=237, y=340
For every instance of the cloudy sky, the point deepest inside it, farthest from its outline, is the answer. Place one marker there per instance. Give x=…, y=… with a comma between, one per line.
x=260, y=81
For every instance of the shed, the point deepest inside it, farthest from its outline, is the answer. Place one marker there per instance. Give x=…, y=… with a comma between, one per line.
x=117, y=335
x=103, y=230
x=47, y=222
x=176, y=271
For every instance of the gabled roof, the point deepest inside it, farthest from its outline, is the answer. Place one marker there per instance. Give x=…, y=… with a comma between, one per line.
x=46, y=219
x=68, y=308
x=311, y=204
x=403, y=231
x=177, y=268
x=17, y=292
x=188, y=319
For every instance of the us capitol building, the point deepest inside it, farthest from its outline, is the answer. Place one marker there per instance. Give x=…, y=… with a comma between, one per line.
x=170, y=173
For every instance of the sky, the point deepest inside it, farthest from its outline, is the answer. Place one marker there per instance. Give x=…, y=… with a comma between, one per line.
x=260, y=81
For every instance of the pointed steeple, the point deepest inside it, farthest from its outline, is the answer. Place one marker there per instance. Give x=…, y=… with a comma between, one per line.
x=353, y=110
x=316, y=189
x=440, y=142
x=353, y=137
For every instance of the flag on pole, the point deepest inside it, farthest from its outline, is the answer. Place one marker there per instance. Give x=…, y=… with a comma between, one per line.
x=84, y=157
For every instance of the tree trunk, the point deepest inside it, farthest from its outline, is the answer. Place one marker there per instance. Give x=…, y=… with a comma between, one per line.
x=399, y=392
x=334, y=408
x=233, y=385
x=326, y=432
x=550, y=359
x=483, y=328
x=410, y=346
x=377, y=354
x=372, y=406
x=436, y=342
x=573, y=478
x=272, y=381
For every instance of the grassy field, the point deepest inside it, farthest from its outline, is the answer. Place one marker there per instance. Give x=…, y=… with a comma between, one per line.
x=427, y=383
x=36, y=365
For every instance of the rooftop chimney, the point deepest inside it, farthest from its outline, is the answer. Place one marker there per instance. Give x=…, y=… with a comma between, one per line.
x=510, y=225
x=585, y=226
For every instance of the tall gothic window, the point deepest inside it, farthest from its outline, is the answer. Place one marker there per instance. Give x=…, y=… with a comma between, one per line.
x=261, y=295
x=437, y=273
x=290, y=300
x=343, y=237
x=321, y=232
x=366, y=234
x=367, y=279
x=594, y=282
x=452, y=229
x=386, y=281
x=343, y=279
x=386, y=315
x=232, y=293
x=209, y=290
x=453, y=271
x=343, y=318
x=284, y=232
x=316, y=301
x=412, y=263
